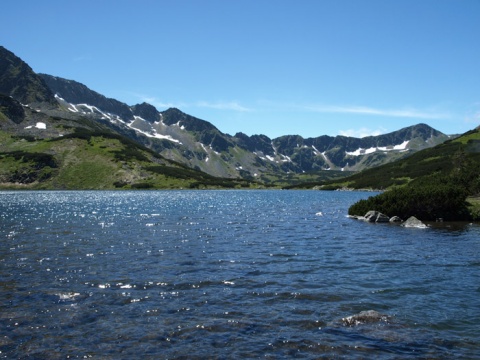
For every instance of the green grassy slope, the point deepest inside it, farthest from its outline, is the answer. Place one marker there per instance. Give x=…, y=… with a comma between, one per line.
x=87, y=159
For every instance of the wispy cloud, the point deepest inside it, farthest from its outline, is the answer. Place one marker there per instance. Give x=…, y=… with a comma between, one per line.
x=362, y=132
x=472, y=117
x=232, y=105
x=159, y=104
x=364, y=110
x=82, y=58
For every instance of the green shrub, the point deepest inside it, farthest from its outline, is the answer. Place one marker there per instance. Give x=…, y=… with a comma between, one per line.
x=28, y=138
x=141, y=186
x=38, y=160
x=120, y=184
x=129, y=154
x=426, y=202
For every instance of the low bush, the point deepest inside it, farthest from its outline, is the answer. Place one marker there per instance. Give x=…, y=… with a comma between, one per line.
x=120, y=184
x=39, y=160
x=142, y=186
x=424, y=202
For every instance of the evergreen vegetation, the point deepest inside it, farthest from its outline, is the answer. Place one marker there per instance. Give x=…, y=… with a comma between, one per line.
x=26, y=167
x=428, y=202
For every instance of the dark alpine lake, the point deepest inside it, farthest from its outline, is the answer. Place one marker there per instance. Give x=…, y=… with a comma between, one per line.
x=229, y=275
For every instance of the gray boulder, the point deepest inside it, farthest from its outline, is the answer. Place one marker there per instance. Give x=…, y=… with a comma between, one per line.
x=382, y=218
x=413, y=222
x=395, y=219
x=376, y=216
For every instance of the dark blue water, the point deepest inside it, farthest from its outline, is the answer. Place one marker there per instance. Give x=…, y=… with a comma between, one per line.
x=229, y=274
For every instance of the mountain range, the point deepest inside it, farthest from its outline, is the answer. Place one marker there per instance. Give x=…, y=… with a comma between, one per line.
x=41, y=106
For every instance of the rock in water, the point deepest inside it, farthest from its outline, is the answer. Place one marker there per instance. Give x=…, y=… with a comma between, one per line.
x=375, y=216
x=395, y=219
x=365, y=317
x=370, y=216
x=412, y=221
x=382, y=218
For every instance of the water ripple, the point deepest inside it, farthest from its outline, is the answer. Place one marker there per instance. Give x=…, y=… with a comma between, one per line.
x=228, y=274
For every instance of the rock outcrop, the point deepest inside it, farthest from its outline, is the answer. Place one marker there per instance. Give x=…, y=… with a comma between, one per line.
x=377, y=217
x=147, y=112
x=12, y=109
x=413, y=222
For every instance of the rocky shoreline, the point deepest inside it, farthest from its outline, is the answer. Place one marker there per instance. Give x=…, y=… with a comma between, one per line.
x=373, y=216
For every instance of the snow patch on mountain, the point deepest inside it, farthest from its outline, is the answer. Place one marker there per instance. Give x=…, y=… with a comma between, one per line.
x=38, y=125
x=139, y=124
x=286, y=158
x=157, y=135
x=182, y=127
x=360, y=151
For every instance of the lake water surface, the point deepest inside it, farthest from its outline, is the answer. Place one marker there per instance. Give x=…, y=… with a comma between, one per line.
x=229, y=275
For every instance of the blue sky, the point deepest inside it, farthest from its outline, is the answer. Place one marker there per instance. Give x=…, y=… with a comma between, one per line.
x=273, y=67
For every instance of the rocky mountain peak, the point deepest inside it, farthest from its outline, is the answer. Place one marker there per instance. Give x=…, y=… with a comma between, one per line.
x=255, y=143
x=147, y=112
x=19, y=81
x=173, y=116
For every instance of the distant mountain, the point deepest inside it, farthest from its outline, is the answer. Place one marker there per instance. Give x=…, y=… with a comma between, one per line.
x=461, y=152
x=193, y=142
x=198, y=143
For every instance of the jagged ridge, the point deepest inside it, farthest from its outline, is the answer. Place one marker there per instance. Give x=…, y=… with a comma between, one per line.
x=198, y=144
x=284, y=154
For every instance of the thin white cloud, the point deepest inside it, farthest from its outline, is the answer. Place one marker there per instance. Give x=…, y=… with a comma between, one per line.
x=362, y=132
x=364, y=110
x=472, y=118
x=82, y=58
x=232, y=105
x=160, y=105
